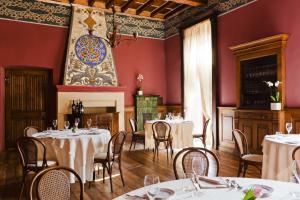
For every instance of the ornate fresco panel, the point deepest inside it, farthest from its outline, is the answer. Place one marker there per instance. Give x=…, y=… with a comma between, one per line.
x=89, y=57
x=59, y=15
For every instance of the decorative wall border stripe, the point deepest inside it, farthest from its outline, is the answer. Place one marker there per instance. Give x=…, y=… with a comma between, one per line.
x=40, y=12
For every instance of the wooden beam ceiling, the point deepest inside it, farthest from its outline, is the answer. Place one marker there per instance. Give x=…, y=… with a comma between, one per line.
x=142, y=7
x=175, y=10
x=160, y=8
x=126, y=5
x=108, y=3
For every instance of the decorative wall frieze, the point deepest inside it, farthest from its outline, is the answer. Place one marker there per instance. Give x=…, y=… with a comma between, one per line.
x=59, y=15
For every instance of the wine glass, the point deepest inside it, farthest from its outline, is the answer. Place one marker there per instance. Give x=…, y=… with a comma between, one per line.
x=89, y=123
x=67, y=125
x=289, y=127
x=77, y=120
x=295, y=172
x=151, y=186
x=54, y=123
x=158, y=116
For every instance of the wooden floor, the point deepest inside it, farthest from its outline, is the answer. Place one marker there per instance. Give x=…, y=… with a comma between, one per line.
x=136, y=164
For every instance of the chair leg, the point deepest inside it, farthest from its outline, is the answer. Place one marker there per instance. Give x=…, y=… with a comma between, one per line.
x=120, y=168
x=144, y=141
x=134, y=143
x=167, y=151
x=23, y=185
x=154, y=151
x=131, y=143
x=103, y=172
x=172, y=151
x=110, y=177
x=157, y=149
x=245, y=169
x=240, y=168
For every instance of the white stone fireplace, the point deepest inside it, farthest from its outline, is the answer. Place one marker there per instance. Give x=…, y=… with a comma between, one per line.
x=92, y=98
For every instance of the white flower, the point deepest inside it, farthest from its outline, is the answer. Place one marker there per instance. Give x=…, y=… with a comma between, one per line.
x=269, y=83
x=140, y=77
x=277, y=83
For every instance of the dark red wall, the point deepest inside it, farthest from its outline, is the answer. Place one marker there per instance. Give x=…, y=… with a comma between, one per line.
x=25, y=44
x=173, y=70
x=257, y=20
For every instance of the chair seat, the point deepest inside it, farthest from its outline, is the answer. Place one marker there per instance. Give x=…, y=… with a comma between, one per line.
x=140, y=133
x=100, y=156
x=197, y=135
x=253, y=158
x=50, y=163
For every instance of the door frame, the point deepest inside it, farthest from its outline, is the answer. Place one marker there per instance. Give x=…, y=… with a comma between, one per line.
x=197, y=18
x=48, y=92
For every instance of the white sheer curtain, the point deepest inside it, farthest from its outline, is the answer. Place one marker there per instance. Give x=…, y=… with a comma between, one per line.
x=197, y=48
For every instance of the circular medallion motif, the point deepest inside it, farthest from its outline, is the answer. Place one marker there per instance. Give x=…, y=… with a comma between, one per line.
x=90, y=50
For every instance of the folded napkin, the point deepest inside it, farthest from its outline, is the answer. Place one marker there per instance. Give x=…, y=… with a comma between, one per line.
x=206, y=183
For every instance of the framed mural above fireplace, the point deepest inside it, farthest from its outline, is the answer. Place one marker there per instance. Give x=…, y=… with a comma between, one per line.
x=89, y=59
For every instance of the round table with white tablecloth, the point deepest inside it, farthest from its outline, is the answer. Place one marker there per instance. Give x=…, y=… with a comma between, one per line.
x=181, y=131
x=277, y=156
x=75, y=150
x=281, y=190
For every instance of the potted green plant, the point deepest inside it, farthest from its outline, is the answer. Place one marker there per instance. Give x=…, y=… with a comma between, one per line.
x=275, y=95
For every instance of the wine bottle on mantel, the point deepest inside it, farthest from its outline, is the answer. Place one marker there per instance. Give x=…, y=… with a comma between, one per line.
x=73, y=108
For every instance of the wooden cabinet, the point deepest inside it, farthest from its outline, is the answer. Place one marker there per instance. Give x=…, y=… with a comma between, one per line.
x=255, y=124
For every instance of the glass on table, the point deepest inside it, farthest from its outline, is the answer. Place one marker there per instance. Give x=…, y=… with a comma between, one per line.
x=76, y=122
x=289, y=127
x=49, y=128
x=54, y=123
x=151, y=186
x=67, y=125
x=89, y=123
x=295, y=172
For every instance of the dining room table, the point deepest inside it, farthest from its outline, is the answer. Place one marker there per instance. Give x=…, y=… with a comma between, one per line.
x=185, y=189
x=75, y=149
x=277, y=156
x=181, y=132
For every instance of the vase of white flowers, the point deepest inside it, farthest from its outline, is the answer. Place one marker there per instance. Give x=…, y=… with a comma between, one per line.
x=275, y=95
x=140, y=79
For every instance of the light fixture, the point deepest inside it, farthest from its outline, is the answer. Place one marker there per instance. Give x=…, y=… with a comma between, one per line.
x=114, y=38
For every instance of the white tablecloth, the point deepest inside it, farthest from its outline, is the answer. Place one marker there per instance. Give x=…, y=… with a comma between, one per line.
x=181, y=132
x=277, y=156
x=281, y=191
x=75, y=150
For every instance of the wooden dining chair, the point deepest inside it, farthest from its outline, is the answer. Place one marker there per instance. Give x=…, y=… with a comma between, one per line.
x=204, y=134
x=245, y=158
x=30, y=130
x=53, y=184
x=184, y=160
x=296, y=153
x=135, y=134
x=162, y=134
x=28, y=148
x=113, y=154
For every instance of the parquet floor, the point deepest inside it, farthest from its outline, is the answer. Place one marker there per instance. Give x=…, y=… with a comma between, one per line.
x=136, y=164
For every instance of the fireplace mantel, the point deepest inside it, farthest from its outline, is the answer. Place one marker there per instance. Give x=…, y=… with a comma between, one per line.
x=72, y=88
x=91, y=97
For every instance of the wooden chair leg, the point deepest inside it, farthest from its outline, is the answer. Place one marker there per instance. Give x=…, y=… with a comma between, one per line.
x=167, y=151
x=134, y=143
x=144, y=141
x=172, y=151
x=23, y=185
x=110, y=177
x=157, y=149
x=103, y=172
x=245, y=169
x=120, y=168
x=240, y=168
x=131, y=143
x=154, y=151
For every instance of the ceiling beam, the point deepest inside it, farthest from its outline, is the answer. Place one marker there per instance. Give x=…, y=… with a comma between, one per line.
x=175, y=10
x=108, y=3
x=191, y=2
x=160, y=8
x=91, y=2
x=125, y=6
x=142, y=7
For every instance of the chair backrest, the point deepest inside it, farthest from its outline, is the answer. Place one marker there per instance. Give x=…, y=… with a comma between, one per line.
x=205, y=128
x=296, y=153
x=241, y=141
x=161, y=130
x=28, y=151
x=53, y=184
x=30, y=130
x=133, y=125
x=208, y=166
x=116, y=144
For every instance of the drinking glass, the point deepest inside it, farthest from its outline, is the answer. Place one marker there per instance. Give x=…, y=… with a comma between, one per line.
x=67, y=125
x=89, y=123
x=158, y=115
x=197, y=165
x=77, y=120
x=289, y=127
x=54, y=123
x=295, y=172
x=151, y=186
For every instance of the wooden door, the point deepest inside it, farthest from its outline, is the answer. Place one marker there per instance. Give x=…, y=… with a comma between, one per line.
x=25, y=101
